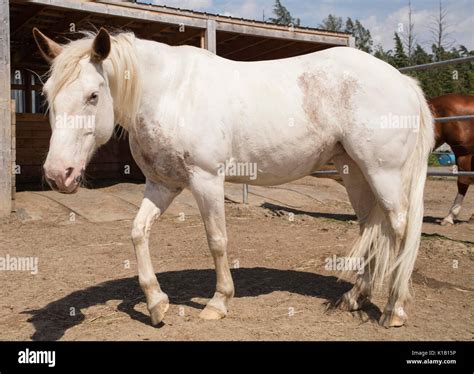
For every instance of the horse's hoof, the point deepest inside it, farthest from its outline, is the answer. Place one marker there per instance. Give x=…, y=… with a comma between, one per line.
x=348, y=304
x=447, y=222
x=158, y=312
x=211, y=313
x=391, y=319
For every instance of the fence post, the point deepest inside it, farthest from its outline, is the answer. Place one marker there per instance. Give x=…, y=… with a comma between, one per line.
x=13, y=154
x=5, y=115
x=246, y=194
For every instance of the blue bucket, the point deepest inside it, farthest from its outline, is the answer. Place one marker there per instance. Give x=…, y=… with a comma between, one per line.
x=446, y=159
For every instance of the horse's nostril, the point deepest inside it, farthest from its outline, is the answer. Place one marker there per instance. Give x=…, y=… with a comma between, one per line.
x=69, y=172
x=53, y=184
x=78, y=179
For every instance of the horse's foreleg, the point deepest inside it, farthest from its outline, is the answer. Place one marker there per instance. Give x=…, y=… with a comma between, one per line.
x=156, y=200
x=208, y=190
x=456, y=207
x=464, y=164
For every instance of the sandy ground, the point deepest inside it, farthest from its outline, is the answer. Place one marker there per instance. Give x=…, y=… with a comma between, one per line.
x=86, y=287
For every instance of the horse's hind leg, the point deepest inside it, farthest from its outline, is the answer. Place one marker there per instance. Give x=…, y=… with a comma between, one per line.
x=208, y=190
x=363, y=201
x=464, y=164
x=387, y=185
x=156, y=200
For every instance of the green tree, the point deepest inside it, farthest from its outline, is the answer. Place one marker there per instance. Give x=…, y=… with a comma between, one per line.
x=400, y=58
x=386, y=56
x=350, y=27
x=362, y=36
x=420, y=56
x=450, y=79
x=363, y=39
x=283, y=15
x=331, y=23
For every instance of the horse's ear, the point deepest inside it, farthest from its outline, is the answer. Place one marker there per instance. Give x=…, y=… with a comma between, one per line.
x=100, y=46
x=48, y=48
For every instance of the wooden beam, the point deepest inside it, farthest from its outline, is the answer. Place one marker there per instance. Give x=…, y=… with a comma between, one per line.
x=5, y=113
x=264, y=52
x=26, y=15
x=245, y=41
x=119, y=23
x=257, y=44
x=270, y=45
x=142, y=30
x=128, y=10
x=296, y=35
x=210, y=40
x=64, y=26
x=198, y=20
x=239, y=26
x=150, y=31
x=228, y=38
x=183, y=37
x=291, y=51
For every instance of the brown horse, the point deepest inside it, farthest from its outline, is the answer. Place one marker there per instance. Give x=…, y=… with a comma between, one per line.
x=459, y=135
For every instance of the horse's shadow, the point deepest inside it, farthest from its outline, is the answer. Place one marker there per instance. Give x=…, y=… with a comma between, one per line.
x=277, y=209
x=53, y=320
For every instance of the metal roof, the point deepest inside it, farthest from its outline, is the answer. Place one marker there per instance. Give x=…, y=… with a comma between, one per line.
x=216, y=15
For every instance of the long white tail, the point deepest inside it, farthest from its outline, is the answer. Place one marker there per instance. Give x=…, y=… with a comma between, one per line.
x=414, y=181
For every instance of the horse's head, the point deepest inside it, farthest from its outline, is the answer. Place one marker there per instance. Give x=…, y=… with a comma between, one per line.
x=80, y=104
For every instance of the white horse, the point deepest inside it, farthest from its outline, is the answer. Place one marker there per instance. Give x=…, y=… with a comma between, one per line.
x=188, y=112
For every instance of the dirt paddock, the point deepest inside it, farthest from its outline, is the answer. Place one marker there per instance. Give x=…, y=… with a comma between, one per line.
x=86, y=286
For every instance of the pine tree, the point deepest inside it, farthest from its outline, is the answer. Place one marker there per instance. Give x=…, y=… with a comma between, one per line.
x=386, y=56
x=283, y=15
x=350, y=27
x=399, y=57
x=332, y=23
x=419, y=57
x=362, y=36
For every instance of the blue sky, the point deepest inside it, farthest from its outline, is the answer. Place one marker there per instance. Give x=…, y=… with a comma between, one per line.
x=382, y=17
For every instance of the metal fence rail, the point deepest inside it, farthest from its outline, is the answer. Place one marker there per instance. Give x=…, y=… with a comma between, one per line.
x=438, y=64
x=431, y=173
x=450, y=174
x=455, y=118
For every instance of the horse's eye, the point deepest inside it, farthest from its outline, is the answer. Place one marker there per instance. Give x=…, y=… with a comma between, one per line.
x=93, y=98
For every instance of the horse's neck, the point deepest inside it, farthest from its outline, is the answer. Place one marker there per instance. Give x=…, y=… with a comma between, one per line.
x=148, y=80
x=163, y=70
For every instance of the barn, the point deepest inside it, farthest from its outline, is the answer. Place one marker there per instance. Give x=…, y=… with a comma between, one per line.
x=24, y=127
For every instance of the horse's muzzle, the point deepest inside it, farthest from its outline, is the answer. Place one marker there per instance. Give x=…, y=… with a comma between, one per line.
x=64, y=181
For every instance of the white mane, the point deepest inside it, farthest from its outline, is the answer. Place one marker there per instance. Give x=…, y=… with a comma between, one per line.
x=124, y=80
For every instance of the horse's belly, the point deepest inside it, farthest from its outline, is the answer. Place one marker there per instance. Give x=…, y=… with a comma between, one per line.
x=281, y=163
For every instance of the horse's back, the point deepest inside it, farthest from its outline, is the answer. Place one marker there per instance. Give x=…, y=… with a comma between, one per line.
x=452, y=104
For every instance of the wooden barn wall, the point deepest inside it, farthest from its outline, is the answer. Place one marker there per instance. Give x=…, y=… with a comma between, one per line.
x=32, y=143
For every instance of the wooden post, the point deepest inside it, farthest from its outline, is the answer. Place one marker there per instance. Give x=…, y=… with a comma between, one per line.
x=203, y=39
x=13, y=106
x=5, y=113
x=210, y=40
x=352, y=42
